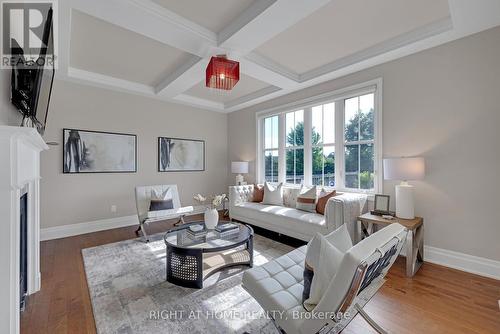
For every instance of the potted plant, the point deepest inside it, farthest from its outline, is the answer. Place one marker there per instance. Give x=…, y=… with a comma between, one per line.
x=211, y=213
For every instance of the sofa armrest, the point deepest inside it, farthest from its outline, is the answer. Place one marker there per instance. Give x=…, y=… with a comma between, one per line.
x=240, y=194
x=344, y=209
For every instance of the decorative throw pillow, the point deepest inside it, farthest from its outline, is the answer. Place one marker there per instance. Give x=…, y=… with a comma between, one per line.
x=161, y=200
x=306, y=201
x=258, y=193
x=323, y=199
x=329, y=261
x=339, y=238
x=273, y=196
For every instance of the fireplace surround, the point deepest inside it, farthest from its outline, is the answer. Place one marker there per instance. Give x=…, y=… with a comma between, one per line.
x=19, y=175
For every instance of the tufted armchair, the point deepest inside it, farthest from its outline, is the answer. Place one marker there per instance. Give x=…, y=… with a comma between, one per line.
x=278, y=285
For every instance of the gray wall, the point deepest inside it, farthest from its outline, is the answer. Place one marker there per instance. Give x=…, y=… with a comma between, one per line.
x=442, y=104
x=8, y=114
x=69, y=198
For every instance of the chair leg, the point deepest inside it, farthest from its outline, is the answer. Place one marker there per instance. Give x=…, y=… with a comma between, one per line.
x=181, y=221
x=369, y=320
x=142, y=229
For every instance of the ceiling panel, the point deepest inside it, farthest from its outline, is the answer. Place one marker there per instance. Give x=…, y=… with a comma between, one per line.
x=344, y=27
x=107, y=49
x=245, y=86
x=211, y=14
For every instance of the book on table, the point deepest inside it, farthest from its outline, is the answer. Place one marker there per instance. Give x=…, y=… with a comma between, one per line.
x=226, y=227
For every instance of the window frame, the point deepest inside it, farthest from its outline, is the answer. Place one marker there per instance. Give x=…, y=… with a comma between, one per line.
x=338, y=97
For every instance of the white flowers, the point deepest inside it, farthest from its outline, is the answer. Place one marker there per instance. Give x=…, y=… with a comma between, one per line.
x=217, y=200
x=199, y=198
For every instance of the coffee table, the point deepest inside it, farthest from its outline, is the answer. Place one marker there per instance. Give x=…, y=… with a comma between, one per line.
x=191, y=261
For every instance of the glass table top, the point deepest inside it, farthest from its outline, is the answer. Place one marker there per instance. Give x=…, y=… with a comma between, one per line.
x=181, y=238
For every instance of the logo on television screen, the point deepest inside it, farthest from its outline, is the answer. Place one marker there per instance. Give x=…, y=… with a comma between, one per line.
x=29, y=33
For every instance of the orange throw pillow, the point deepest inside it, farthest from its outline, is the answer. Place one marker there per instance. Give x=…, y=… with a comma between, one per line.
x=321, y=204
x=258, y=193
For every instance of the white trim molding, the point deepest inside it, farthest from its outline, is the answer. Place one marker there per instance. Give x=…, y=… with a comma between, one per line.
x=338, y=96
x=64, y=231
x=464, y=262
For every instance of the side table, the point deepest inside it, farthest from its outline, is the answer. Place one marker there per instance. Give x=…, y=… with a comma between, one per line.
x=414, y=238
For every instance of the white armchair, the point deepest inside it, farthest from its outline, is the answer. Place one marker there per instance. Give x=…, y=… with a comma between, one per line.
x=143, y=202
x=277, y=285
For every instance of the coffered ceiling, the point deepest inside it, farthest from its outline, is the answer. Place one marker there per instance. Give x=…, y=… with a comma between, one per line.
x=160, y=48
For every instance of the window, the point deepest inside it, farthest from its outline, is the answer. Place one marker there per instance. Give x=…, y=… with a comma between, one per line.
x=271, y=148
x=331, y=143
x=359, y=140
x=323, y=145
x=294, y=143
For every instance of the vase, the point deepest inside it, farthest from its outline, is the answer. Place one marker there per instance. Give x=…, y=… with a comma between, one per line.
x=211, y=218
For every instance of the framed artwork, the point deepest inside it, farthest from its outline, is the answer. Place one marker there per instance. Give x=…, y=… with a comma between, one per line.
x=381, y=203
x=98, y=152
x=181, y=155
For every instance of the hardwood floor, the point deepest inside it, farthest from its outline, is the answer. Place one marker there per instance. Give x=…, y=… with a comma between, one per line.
x=436, y=300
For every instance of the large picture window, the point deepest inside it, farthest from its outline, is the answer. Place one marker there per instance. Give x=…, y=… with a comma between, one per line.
x=334, y=143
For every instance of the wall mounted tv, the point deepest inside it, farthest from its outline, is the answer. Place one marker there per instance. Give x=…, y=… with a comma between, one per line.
x=31, y=82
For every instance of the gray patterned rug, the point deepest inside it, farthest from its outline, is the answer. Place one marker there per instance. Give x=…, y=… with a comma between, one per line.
x=129, y=292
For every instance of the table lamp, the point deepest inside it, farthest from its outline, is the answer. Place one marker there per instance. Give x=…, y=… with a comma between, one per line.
x=239, y=167
x=404, y=170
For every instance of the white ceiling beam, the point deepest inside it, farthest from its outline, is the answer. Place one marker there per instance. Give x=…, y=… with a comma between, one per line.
x=183, y=78
x=264, y=20
x=266, y=70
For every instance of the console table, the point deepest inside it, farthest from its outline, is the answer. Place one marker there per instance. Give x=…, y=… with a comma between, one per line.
x=414, y=238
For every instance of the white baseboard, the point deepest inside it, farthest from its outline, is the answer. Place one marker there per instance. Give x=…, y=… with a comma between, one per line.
x=64, y=231
x=460, y=261
x=469, y=263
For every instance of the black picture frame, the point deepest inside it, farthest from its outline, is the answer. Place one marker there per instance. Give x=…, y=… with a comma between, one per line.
x=65, y=171
x=378, y=199
x=158, y=164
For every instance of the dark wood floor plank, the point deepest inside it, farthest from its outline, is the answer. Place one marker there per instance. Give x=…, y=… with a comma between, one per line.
x=436, y=300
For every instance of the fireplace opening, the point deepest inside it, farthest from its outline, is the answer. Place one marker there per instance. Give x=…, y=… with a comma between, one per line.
x=23, y=270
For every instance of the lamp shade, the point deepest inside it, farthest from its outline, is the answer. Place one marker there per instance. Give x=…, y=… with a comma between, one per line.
x=239, y=167
x=404, y=169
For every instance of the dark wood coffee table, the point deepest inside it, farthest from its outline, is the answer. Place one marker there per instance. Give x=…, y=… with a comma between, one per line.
x=190, y=261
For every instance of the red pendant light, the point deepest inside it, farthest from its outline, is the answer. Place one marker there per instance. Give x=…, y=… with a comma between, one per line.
x=222, y=73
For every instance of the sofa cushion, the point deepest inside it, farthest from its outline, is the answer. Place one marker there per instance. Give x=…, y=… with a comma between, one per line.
x=272, y=195
x=258, y=193
x=306, y=201
x=323, y=199
x=290, y=196
x=279, y=218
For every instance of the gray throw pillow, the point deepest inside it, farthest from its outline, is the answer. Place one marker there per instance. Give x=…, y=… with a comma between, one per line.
x=158, y=205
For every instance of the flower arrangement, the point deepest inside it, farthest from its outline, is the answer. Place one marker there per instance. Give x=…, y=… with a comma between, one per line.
x=216, y=200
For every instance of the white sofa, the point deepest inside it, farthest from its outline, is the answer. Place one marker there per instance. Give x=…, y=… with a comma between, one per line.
x=341, y=209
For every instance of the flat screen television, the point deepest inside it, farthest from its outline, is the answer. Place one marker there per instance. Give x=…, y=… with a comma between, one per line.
x=31, y=82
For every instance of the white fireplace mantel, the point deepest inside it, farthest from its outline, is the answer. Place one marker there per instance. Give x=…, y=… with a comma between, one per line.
x=19, y=171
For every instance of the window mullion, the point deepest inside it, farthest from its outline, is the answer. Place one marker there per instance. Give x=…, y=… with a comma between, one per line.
x=308, y=146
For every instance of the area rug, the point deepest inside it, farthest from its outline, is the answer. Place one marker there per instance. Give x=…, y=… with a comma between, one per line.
x=130, y=294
